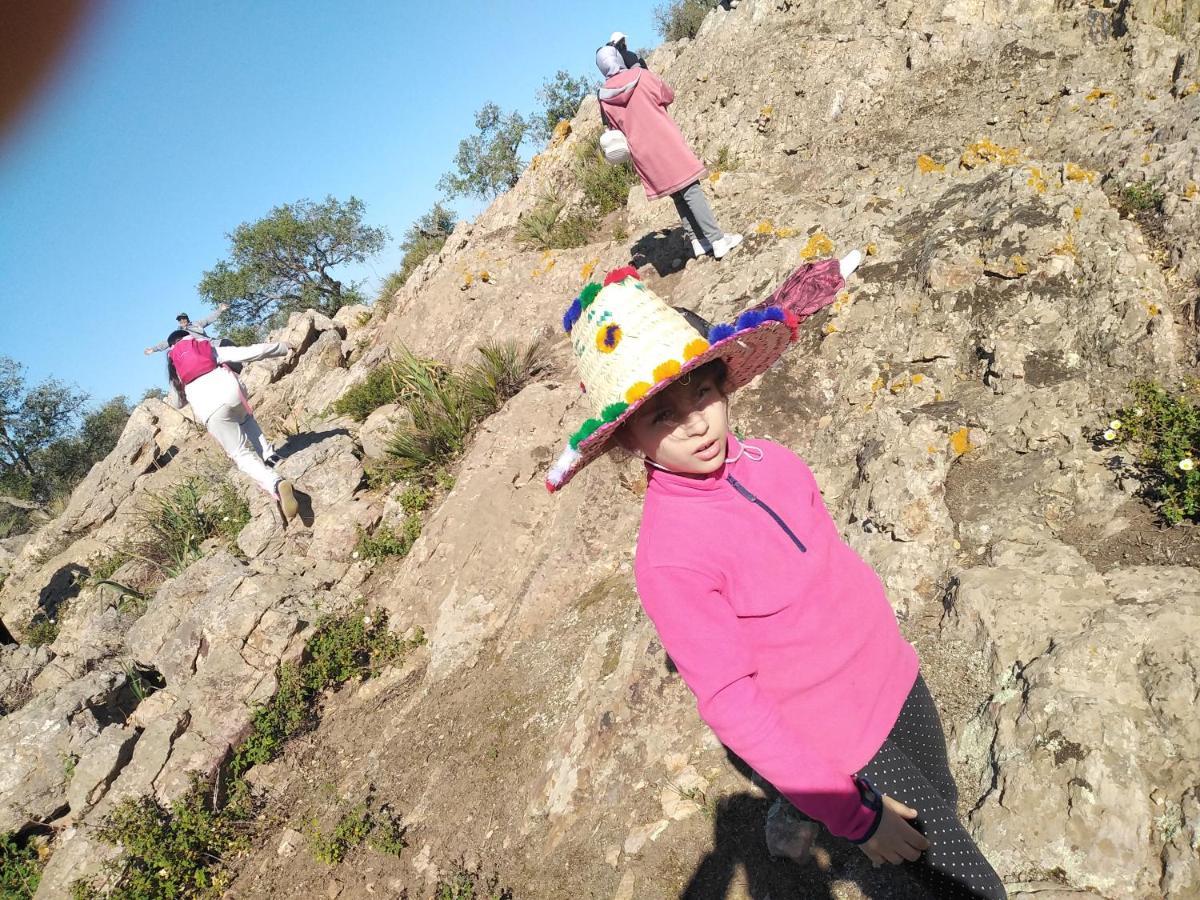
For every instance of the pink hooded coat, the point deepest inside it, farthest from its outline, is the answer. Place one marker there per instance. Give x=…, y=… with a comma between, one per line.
x=636, y=101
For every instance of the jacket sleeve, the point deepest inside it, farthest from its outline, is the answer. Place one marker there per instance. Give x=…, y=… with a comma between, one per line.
x=666, y=96
x=251, y=353
x=699, y=631
x=207, y=320
x=159, y=347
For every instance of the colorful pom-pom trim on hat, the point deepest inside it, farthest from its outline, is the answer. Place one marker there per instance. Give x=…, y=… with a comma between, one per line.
x=607, y=337
x=588, y=294
x=585, y=431
x=637, y=391
x=620, y=275
x=718, y=333
x=613, y=411
x=694, y=349
x=565, y=462
x=571, y=316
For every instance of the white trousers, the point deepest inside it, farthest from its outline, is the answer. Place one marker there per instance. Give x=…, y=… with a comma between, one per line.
x=218, y=402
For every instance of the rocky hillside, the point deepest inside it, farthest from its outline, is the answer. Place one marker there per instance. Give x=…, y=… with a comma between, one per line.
x=948, y=401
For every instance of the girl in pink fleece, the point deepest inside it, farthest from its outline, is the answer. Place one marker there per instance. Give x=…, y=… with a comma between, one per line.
x=784, y=634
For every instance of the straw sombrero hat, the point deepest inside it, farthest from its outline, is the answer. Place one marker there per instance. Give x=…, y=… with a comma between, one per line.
x=630, y=345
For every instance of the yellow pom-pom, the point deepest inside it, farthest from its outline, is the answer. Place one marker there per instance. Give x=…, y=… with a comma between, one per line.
x=666, y=370
x=694, y=348
x=637, y=392
x=607, y=337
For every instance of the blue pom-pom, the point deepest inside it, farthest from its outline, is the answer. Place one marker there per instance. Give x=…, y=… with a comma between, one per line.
x=751, y=318
x=720, y=332
x=571, y=316
x=774, y=314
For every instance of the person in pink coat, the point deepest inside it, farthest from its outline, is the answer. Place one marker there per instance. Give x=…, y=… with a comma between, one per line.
x=635, y=101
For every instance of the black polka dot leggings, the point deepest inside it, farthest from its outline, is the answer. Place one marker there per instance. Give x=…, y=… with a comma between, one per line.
x=912, y=767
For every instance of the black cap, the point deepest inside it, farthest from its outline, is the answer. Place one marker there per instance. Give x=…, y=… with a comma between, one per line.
x=184, y=316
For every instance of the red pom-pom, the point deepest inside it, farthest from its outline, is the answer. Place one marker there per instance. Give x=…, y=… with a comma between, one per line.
x=620, y=275
x=792, y=322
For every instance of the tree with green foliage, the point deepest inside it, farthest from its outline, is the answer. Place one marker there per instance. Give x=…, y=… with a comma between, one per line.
x=31, y=419
x=682, y=18
x=488, y=162
x=425, y=237
x=559, y=97
x=284, y=262
x=67, y=461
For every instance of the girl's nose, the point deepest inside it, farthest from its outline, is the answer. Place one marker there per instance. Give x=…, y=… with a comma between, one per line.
x=694, y=423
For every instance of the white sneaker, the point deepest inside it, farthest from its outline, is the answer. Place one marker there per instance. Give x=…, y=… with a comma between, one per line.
x=848, y=263
x=287, y=499
x=700, y=248
x=725, y=244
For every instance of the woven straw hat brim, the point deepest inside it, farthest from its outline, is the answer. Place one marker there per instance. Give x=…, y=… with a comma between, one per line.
x=747, y=354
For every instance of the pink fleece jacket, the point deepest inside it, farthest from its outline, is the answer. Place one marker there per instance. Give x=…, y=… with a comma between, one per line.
x=786, y=639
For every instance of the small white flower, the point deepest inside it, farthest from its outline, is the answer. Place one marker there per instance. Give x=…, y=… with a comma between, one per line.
x=354, y=555
x=1110, y=435
x=1138, y=411
x=1186, y=464
x=366, y=620
x=1115, y=424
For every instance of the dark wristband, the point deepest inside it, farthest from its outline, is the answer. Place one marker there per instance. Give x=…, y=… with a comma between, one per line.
x=872, y=800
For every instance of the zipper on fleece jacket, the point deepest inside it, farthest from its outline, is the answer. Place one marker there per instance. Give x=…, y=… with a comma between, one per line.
x=741, y=489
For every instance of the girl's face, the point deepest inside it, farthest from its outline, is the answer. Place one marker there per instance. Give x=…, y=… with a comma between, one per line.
x=683, y=428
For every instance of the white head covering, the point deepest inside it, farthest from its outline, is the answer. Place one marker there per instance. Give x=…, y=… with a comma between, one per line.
x=608, y=61
x=616, y=37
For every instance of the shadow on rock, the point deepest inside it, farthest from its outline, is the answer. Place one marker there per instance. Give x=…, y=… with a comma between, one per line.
x=64, y=585
x=297, y=442
x=667, y=250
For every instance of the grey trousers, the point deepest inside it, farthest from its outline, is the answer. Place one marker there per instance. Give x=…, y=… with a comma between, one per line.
x=696, y=215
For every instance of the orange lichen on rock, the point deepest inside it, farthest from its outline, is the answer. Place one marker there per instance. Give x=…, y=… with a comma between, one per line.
x=1095, y=94
x=766, y=226
x=960, y=442
x=1074, y=172
x=927, y=164
x=586, y=270
x=1036, y=180
x=561, y=131
x=818, y=245
x=785, y=232
x=986, y=151
x=1077, y=213
x=1019, y=266
x=715, y=176
x=1067, y=247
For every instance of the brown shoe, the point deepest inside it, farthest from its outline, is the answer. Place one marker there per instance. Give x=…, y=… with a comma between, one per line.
x=287, y=499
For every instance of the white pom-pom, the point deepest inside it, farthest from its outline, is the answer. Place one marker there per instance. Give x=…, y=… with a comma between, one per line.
x=568, y=458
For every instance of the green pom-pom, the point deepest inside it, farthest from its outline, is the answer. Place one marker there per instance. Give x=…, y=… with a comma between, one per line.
x=613, y=411
x=588, y=294
x=586, y=430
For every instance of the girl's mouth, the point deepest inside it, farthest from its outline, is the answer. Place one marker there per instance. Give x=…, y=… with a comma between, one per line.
x=709, y=451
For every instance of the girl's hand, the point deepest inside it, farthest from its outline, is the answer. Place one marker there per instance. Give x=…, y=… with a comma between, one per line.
x=895, y=841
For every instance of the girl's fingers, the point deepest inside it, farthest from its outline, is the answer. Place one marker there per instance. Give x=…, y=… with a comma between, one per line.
x=906, y=811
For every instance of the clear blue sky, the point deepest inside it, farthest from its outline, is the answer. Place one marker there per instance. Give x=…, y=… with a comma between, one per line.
x=170, y=123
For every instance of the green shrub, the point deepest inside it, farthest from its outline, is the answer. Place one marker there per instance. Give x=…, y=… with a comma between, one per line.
x=243, y=335
x=463, y=884
x=681, y=18
x=1163, y=431
x=20, y=868
x=385, y=384
x=1142, y=196
x=726, y=162
x=43, y=629
x=177, y=521
x=388, y=541
x=349, y=832
x=546, y=228
x=445, y=406
x=170, y=853
x=605, y=187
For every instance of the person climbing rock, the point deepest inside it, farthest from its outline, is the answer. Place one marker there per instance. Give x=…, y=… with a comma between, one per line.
x=781, y=630
x=635, y=101
x=198, y=374
x=629, y=57
x=186, y=324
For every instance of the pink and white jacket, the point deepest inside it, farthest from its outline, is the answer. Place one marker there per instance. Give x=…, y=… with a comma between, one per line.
x=784, y=634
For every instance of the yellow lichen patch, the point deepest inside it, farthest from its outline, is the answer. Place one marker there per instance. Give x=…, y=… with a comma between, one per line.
x=1077, y=213
x=897, y=386
x=561, y=130
x=785, y=232
x=715, y=177
x=766, y=226
x=829, y=328
x=468, y=279
x=1153, y=309
x=818, y=245
x=841, y=302
x=586, y=270
x=1096, y=94
x=931, y=449
x=986, y=151
x=871, y=248
x=877, y=384
x=767, y=111
x=960, y=442
x=548, y=262
x=927, y=164
x=1112, y=101
x=937, y=396
x=485, y=276
x=1067, y=247
x=1192, y=88
x=1036, y=180
x=1145, y=157
x=917, y=378
x=1073, y=172
x=1019, y=265
x=1191, y=191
